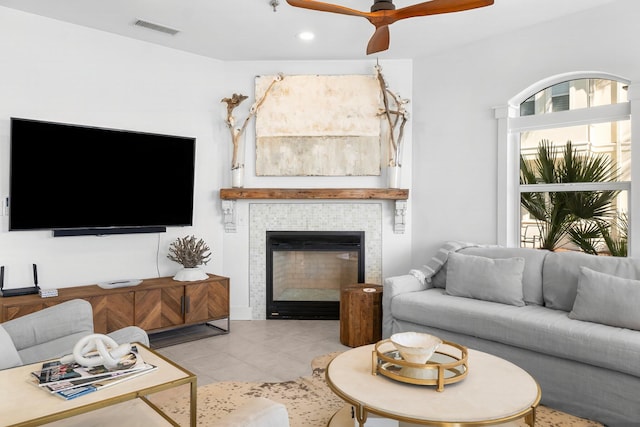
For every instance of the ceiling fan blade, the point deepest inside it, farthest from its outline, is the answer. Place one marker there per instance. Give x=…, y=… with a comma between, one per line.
x=326, y=7
x=379, y=41
x=436, y=7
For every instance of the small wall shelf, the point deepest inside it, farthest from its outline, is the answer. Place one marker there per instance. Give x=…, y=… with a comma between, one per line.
x=230, y=195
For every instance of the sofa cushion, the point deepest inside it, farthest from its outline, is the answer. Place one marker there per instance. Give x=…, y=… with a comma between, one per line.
x=8, y=354
x=607, y=299
x=530, y=327
x=497, y=280
x=561, y=271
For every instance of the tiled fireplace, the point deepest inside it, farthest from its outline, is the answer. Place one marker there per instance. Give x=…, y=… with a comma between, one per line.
x=314, y=218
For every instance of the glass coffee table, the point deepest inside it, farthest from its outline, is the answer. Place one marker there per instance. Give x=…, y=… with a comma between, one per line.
x=494, y=392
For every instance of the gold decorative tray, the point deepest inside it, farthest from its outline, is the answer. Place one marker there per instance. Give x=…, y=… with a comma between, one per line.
x=448, y=365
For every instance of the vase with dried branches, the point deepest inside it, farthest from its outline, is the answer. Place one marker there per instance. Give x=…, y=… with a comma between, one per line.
x=394, y=118
x=190, y=253
x=237, y=133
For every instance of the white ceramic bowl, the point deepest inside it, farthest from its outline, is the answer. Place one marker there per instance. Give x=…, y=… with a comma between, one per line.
x=415, y=347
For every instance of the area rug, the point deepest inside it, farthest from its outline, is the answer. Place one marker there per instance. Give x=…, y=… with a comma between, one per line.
x=309, y=401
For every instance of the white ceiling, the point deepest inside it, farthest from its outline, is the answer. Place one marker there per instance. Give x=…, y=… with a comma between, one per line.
x=251, y=30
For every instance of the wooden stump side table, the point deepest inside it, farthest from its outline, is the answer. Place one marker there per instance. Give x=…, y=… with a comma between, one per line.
x=360, y=314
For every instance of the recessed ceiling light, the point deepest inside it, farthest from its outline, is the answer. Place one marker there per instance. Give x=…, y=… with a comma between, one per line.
x=306, y=36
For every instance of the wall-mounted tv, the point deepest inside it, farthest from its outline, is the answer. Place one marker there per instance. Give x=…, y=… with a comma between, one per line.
x=82, y=180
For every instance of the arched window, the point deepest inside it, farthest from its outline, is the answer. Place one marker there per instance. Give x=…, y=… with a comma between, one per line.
x=565, y=157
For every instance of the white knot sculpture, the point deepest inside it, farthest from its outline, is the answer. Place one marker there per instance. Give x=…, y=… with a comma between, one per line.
x=108, y=351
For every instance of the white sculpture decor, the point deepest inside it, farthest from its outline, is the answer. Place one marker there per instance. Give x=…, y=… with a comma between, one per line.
x=395, y=117
x=237, y=158
x=97, y=349
x=190, y=253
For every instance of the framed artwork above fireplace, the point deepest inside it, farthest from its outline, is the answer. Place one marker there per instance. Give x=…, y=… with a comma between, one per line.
x=312, y=125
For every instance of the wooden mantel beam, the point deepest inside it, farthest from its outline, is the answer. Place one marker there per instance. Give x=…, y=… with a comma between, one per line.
x=314, y=193
x=230, y=195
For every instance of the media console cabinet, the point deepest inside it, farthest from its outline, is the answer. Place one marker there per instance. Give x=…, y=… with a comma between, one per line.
x=154, y=305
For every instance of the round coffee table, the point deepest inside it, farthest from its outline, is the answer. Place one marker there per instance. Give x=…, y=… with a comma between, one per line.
x=494, y=391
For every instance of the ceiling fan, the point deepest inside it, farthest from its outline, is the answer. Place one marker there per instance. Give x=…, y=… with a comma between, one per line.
x=384, y=13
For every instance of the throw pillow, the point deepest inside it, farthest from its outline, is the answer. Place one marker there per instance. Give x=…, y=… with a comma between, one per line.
x=610, y=300
x=497, y=280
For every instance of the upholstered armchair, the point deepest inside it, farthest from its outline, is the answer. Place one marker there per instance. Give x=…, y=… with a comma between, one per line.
x=52, y=332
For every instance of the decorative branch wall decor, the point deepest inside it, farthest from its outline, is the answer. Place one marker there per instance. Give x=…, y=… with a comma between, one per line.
x=395, y=117
x=236, y=99
x=315, y=125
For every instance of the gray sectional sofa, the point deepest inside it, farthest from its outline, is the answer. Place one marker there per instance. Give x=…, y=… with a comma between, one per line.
x=570, y=319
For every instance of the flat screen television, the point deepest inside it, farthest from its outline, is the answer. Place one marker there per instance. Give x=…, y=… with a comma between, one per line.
x=81, y=180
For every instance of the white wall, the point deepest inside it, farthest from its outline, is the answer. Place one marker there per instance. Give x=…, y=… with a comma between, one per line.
x=59, y=72
x=455, y=133
x=50, y=70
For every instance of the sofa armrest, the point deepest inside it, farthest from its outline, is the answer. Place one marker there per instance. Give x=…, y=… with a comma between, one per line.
x=392, y=287
x=130, y=334
x=55, y=322
x=9, y=356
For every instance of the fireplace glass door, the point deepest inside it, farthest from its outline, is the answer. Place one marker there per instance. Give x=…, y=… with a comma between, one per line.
x=307, y=270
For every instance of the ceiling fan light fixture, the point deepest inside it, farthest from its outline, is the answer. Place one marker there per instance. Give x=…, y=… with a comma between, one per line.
x=382, y=5
x=384, y=13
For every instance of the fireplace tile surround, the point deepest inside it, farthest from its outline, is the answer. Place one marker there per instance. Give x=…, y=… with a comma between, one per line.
x=323, y=216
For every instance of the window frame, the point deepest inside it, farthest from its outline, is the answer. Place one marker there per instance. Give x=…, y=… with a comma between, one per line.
x=511, y=124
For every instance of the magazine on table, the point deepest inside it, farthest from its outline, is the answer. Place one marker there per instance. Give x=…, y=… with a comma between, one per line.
x=112, y=378
x=55, y=372
x=77, y=391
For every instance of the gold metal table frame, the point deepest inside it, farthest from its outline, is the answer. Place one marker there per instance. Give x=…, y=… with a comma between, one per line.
x=24, y=404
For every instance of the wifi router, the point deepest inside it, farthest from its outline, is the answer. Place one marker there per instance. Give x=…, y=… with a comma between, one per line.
x=19, y=291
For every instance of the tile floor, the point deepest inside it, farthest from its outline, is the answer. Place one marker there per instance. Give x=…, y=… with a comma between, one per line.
x=258, y=350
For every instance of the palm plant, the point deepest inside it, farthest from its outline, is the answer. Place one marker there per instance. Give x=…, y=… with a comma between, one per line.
x=619, y=246
x=579, y=216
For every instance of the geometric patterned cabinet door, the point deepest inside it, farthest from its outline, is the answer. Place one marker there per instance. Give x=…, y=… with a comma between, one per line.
x=207, y=301
x=165, y=303
x=111, y=312
x=12, y=311
x=148, y=309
